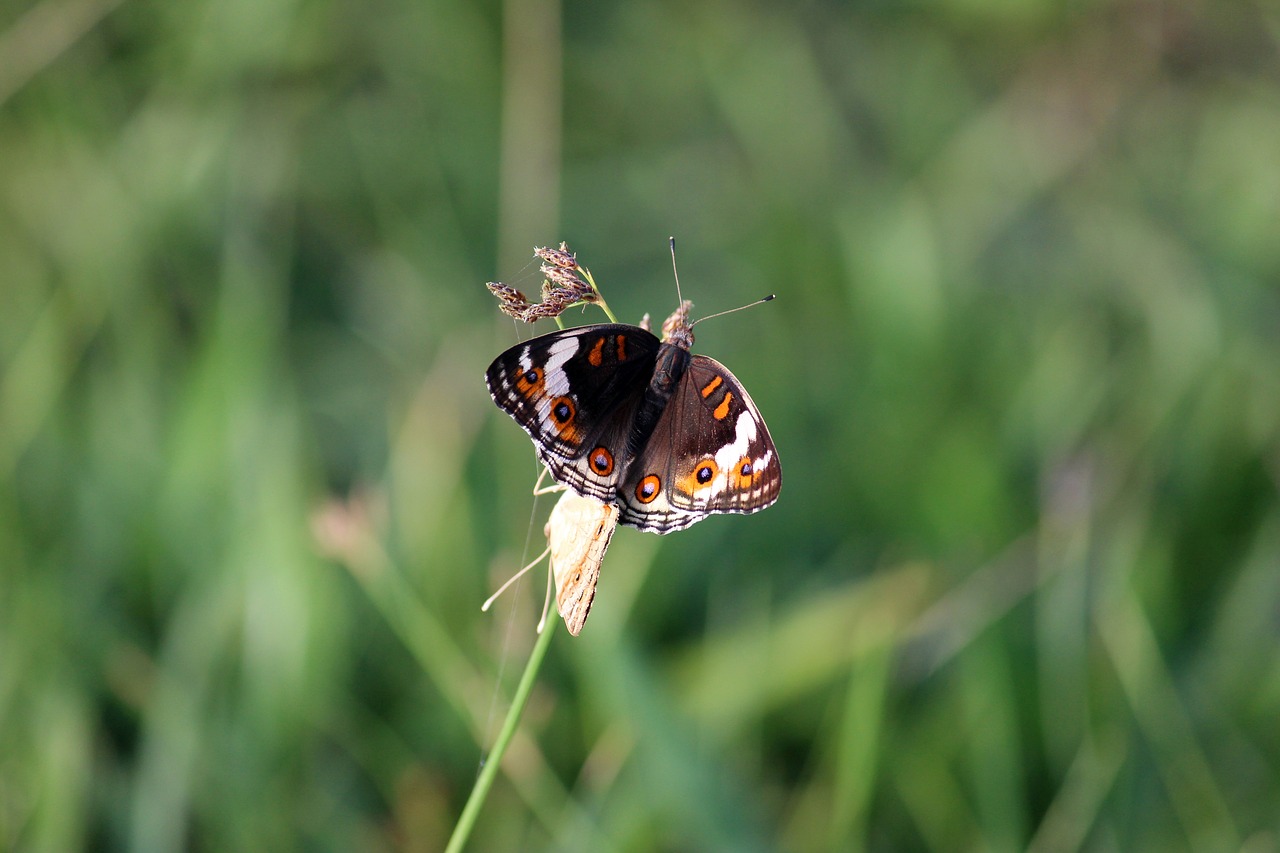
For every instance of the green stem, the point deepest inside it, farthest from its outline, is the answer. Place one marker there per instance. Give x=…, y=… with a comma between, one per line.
x=604, y=306
x=467, y=820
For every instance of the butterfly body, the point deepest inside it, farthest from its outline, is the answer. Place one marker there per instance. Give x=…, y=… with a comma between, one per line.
x=616, y=414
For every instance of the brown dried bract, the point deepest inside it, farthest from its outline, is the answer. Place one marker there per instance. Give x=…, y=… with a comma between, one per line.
x=508, y=296
x=564, y=287
x=561, y=257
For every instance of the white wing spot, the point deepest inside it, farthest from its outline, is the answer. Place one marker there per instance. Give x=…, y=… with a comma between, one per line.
x=560, y=352
x=744, y=434
x=555, y=379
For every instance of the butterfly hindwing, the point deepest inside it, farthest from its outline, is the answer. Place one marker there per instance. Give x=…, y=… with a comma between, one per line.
x=576, y=393
x=709, y=452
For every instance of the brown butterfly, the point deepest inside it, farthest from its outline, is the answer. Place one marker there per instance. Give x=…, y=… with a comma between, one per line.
x=640, y=424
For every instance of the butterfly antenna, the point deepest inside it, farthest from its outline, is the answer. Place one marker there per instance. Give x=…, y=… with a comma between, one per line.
x=679, y=297
x=731, y=310
x=489, y=601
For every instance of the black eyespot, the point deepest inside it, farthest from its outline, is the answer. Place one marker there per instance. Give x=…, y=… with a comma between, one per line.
x=745, y=471
x=562, y=410
x=647, y=489
x=531, y=376
x=703, y=473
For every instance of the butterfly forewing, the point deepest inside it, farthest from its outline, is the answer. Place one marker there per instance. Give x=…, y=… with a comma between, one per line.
x=576, y=393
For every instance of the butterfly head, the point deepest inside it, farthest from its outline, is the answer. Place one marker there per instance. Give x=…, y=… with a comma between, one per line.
x=677, y=330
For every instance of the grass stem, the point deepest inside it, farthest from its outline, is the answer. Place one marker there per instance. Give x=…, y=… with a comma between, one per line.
x=466, y=821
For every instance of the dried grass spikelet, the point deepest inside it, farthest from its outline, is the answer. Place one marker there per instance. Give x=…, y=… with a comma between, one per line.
x=566, y=283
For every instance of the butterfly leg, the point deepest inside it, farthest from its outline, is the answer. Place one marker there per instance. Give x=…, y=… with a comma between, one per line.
x=538, y=559
x=539, y=489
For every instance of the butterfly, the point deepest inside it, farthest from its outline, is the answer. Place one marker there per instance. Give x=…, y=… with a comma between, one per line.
x=578, y=533
x=643, y=424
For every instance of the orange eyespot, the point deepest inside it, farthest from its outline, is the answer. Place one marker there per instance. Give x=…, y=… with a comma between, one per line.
x=529, y=383
x=701, y=477
x=601, y=461
x=648, y=488
x=745, y=473
x=562, y=410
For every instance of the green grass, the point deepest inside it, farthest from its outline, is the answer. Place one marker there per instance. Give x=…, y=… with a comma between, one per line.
x=1020, y=590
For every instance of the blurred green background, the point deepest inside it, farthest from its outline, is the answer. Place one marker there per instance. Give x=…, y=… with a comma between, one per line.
x=1022, y=588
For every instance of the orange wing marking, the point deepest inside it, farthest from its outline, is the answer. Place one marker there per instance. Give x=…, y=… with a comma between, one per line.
x=722, y=410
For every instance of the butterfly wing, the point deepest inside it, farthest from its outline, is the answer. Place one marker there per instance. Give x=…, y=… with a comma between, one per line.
x=576, y=393
x=710, y=452
x=578, y=533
